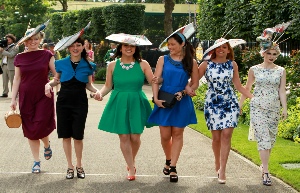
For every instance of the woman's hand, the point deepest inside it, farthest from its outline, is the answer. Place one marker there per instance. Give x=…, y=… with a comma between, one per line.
x=190, y=91
x=284, y=114
x=13, y=105
x=159, y=103
x=157, y=80
x=48, y=90
x=97, y=96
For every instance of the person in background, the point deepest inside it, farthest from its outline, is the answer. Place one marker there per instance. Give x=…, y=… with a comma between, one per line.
x=36, y=109
x=128, y=108
x=90, y=56
x=45, y=46
x=221, y=108
x=269, y=92
x=174, y=70
x=8, y=54
x=109, y=56
x=75, y=75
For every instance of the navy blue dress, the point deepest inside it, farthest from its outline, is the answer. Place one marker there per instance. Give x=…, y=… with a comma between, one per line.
x=183, y=113
x=221, y=109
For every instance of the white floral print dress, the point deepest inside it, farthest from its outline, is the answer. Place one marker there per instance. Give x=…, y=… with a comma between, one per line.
x=221, y=108
x=265, y=105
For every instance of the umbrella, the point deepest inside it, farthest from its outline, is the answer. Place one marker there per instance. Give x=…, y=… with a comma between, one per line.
x=187, y=31
x=67, y=41
x=136, y=40
x=219, y=42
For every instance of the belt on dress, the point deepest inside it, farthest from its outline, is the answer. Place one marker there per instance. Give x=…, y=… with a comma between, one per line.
x=3, y=64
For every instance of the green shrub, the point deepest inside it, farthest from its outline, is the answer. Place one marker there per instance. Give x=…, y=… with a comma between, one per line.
x=101, y=74
x=199, y=99
x=289, y=128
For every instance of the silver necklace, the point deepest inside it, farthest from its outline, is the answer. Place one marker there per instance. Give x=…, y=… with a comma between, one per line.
x=127, y=67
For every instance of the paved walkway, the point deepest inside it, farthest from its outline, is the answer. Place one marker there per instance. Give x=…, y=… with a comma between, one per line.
x=105, y=166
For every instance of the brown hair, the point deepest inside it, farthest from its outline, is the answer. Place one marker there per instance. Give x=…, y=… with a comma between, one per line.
x=229, y=56
x=11, y=36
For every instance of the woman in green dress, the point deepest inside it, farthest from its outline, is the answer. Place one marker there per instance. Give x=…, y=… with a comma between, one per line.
x=127, y=110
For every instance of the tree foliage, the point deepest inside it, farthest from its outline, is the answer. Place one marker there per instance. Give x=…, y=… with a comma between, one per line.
x=16, y=15
x=250, y=17
x=126, y=18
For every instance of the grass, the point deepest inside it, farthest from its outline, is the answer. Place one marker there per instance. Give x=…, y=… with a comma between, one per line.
x=284, y=151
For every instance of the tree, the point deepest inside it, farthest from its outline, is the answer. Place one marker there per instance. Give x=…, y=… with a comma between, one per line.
x=169, y=7
x=64, y=4
x=16, y=15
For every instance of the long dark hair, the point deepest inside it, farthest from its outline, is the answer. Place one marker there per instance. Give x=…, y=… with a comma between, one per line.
x=83, y=53
x=189, y=52
x=137, y=56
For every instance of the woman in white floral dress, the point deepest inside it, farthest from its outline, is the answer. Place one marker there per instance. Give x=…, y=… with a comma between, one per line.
x=269, y=91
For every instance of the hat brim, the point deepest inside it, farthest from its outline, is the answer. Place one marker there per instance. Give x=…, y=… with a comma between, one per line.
x=36, y=30
x=232, y=42
x=67, y=41
x=135, y=40
x=187, y=31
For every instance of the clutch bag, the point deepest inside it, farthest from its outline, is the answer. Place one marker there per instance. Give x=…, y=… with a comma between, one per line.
x=169, y=98
x=13, y=119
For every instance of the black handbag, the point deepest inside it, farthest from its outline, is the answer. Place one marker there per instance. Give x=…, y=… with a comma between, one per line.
x=1, y=72
x=170, y=99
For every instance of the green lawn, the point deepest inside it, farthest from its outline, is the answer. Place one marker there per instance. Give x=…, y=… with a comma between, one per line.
x=284, y=151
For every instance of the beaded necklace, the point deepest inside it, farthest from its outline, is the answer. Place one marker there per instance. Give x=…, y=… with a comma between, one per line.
x=127, y=67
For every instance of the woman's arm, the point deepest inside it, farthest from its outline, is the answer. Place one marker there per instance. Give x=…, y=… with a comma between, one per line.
x=108, y=83
x=155, y=87
x=90, y=86
x=237, y=83
x=55, y=81
x=147, y=71
x=248, y=86
x=282, y=94
x=15, y=88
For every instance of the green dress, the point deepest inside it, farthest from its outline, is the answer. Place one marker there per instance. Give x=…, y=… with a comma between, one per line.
x=128, y=108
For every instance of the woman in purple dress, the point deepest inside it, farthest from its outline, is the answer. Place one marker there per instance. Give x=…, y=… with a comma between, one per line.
x=37, y=110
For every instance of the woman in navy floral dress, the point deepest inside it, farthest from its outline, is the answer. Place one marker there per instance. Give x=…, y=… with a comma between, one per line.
x=221, y=106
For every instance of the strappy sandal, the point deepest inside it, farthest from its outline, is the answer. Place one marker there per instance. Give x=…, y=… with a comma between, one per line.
x=70, y=173
x=166, y=171
x=36, y=168
x=80, y=173
x=267, y=182
x=48, y=155
x=174, y=177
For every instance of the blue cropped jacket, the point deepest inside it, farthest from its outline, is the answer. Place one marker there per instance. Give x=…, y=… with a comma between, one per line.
x=81, y=73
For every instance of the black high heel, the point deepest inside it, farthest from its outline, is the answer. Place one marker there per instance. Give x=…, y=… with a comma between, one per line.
x=173, y=178
x=70, y=173
x=80, y=173
x=267, y=182
x=166, y=171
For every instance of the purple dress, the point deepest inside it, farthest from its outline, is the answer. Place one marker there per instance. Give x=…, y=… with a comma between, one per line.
x=37, y=110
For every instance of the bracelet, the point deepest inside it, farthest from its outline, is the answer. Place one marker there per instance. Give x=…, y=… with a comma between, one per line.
x=183, y=92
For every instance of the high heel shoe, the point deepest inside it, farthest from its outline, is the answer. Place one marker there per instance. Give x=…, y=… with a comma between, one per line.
x=80, y=173
x=220, y=180
x=166, y=171
x=70, y=173
x=267, y=180
x=49, y=154
x=131, y=178
x=173, y=177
